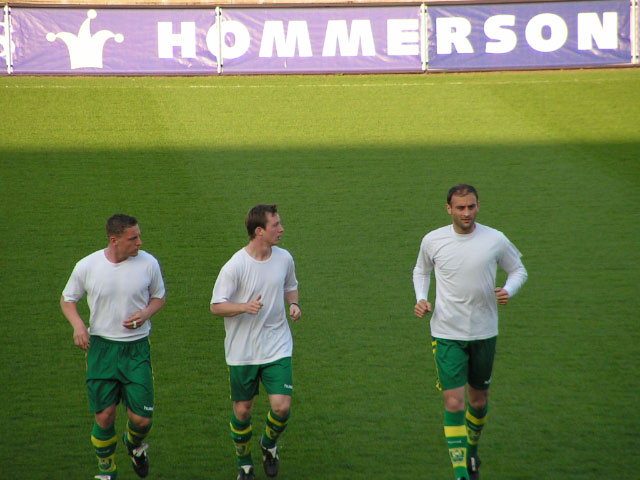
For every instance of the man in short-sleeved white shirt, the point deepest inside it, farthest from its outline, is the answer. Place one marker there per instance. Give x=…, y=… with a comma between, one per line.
x=250, y=293
x=124, y=288
x=464, y=324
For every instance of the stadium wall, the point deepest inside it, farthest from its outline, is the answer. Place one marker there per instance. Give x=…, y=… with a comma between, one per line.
x=219, y=39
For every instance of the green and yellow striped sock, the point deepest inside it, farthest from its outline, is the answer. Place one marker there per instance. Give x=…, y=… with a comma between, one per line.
x=104, y=441
x=274, y=427
x=475, y=420
x=241, y=434
x=456, y=434
x=135, y=435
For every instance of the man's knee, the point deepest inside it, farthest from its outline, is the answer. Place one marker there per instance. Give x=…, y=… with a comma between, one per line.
x=107, y=417
x=280, y=405
x=242, y=410
x=454, y=399
x=478, y=399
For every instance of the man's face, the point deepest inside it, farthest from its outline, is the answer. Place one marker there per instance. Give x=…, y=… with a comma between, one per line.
x=128, y=244
x=273, y=230
x=463, y=211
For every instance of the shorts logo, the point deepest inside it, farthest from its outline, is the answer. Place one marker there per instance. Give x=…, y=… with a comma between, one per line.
x=148, y=409
x=287, y=386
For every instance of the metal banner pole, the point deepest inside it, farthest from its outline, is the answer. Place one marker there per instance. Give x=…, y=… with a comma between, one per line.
x=424, y=47
x=219, y=24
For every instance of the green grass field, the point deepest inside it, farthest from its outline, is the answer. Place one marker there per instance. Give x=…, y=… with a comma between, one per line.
x=359, y=166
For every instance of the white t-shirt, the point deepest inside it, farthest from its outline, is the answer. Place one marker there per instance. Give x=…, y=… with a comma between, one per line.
x=465, y=269
x=265, y=337
x=115, y=291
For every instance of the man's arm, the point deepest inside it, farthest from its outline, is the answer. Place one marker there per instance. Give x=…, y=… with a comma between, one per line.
x=516, y=276
x=229, y=309
x=80, y=331
x=141, y=316
x=421, y=283
x=294, y=309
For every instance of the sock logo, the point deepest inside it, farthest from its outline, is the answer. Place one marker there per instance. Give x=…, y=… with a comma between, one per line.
x=243, y=449
x=457, y=455
x=105, y=464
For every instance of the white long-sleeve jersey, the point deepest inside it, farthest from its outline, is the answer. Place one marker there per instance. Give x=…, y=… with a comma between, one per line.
x=465, y=270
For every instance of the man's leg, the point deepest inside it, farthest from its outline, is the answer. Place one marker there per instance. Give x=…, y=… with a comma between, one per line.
x=138, y=396
x=455, y=431
x=277, y=419
x=104, y=440
x=481, y=357
x=136, y=431
x=104, y=395
x=476, y=417
x=241, y=432
x=277, y=378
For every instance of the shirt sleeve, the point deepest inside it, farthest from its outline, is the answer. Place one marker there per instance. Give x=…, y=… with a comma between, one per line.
x=156, y=289
x=511, y=263
x=290, y=281
x=224, y=287
x=422, y=272
x=74, y=290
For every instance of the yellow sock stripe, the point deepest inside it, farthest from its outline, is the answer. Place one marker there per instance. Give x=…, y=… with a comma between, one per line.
x=474, y=420
x=137, y=434
x=103, y=443
x=274, y=421
x=240, y=432
x=455, y=431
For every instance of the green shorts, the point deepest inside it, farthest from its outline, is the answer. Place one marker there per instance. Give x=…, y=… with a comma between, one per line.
x=120, y=371
x=277, y=378
x=460, y=362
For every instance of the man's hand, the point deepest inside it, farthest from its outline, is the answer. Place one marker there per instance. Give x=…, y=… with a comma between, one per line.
x=254, y=306
x=136, y=320
x=502, y=296
x=81, y=337
x=422, y=308
x=294, y=312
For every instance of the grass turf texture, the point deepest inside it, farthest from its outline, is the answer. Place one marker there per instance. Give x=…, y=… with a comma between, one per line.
x=359, y=166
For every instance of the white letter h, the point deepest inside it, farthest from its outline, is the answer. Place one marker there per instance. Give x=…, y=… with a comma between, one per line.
x=186, y=39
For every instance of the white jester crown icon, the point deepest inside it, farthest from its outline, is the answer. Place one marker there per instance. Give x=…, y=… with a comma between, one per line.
x=85, y=51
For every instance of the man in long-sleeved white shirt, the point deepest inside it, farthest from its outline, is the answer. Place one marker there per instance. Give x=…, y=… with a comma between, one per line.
x=464, y=324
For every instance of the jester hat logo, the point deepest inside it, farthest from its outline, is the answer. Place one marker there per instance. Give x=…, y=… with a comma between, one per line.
x=85, y=50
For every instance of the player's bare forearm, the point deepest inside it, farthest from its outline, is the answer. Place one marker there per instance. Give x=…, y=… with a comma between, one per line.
x=80, y=331
x=230, y=309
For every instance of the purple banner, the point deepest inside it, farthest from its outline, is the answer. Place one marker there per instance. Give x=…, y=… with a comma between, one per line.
x=273, y=40
x=316, y=40
x=169, y=41
x=529, y=35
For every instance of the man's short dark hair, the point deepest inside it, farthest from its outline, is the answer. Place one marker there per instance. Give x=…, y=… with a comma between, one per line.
x=118, y=223
x=461, y=189
x=257, y=217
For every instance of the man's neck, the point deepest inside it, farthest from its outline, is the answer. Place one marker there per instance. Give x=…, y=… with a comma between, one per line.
x=112, y=255
x=258, y=250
